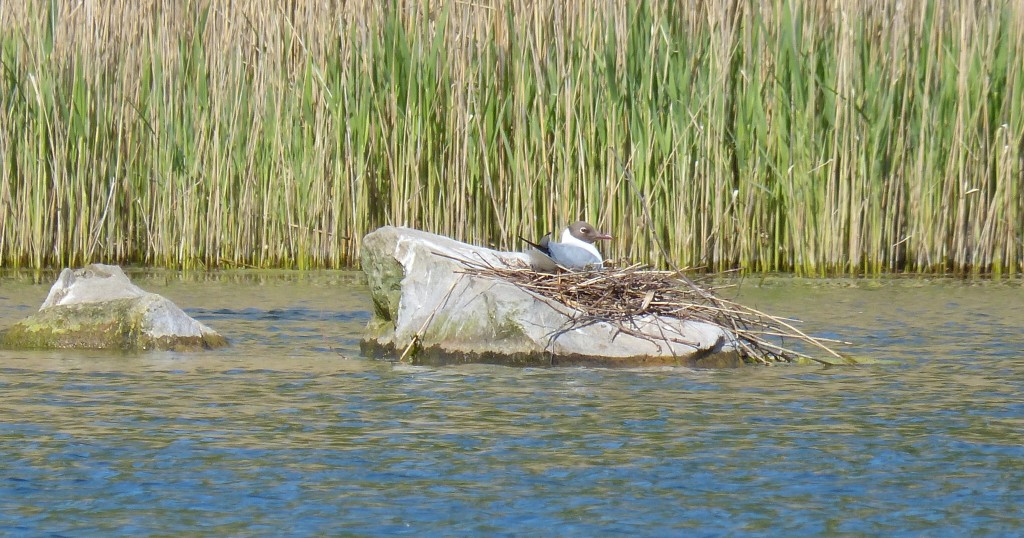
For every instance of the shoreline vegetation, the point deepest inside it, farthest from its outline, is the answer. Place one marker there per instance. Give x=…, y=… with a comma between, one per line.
x=818, y=138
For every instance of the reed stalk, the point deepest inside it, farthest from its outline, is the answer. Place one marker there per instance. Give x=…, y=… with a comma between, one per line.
x=819, y=138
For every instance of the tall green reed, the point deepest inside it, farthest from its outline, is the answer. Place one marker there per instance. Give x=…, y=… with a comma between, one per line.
x=818, y=138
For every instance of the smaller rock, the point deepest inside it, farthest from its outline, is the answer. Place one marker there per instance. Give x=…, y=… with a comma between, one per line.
x=98, y=307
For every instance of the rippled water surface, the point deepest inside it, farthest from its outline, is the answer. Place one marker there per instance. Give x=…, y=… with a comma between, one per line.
x=291, y=432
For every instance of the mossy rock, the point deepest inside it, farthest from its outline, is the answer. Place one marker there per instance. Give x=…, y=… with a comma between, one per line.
x=123, y=324
x=97, y=307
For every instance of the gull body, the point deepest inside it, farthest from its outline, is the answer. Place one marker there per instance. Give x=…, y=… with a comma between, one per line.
x=575, y=249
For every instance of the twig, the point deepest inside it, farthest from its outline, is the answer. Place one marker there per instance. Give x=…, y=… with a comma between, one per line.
x=418, y=334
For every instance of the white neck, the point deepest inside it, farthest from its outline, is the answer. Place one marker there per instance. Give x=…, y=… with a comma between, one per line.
x=569, y=239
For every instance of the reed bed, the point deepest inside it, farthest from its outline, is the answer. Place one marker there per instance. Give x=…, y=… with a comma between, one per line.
x=813, y=137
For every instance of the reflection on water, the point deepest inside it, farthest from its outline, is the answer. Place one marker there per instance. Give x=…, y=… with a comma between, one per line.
x=289, y=431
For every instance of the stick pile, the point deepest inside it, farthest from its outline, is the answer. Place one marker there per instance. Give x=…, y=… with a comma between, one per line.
x=618, y=294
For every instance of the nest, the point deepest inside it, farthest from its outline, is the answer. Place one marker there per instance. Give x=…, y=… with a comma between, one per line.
x=619, y=295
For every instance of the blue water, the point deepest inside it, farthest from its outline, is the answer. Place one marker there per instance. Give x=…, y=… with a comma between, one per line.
x=291, y=432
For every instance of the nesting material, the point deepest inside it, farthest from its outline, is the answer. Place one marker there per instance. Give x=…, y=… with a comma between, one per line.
x=618, y=295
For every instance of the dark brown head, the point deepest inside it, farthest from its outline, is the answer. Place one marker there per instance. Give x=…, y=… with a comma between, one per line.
x=586, y=233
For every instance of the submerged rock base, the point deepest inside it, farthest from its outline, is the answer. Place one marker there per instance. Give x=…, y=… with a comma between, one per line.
x=438, y=356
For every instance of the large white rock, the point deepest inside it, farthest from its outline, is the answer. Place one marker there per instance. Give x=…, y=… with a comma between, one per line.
x=98, y=307
x=420, y=291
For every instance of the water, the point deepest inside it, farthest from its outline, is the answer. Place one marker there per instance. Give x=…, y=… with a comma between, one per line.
x=291, y=432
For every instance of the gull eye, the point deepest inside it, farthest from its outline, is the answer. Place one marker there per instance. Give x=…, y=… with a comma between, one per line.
x=584, y=230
